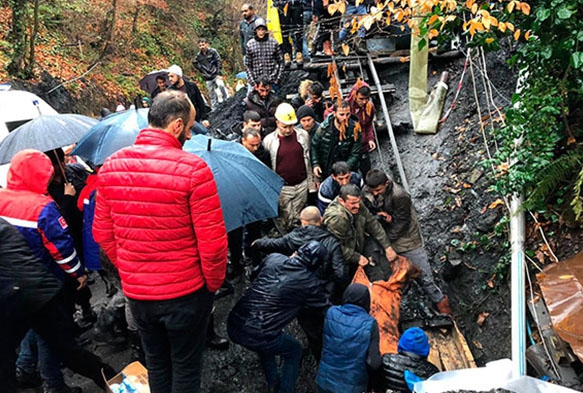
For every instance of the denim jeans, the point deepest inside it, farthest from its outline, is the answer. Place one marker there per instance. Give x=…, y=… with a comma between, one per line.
x=173, y=334
x=352, y=10
x=198, y=128
x=55, y=326
x=307, y=17
x=213, y=85
x=33, y=350
x=290, y=350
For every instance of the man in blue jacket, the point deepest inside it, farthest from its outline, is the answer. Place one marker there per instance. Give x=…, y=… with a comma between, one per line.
x=284, y=287
x=351, y=344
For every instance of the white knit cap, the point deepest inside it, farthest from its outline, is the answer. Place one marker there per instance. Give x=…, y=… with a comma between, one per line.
x=174, y=69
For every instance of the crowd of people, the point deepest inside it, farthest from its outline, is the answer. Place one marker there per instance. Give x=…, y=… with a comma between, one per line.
x=149, y=221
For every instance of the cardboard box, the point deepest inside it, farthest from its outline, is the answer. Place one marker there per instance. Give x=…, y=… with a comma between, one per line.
x=135, y=373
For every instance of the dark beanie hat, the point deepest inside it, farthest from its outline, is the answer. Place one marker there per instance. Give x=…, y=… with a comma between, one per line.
x=305, y=111
x=414, y=340
x=358, y=295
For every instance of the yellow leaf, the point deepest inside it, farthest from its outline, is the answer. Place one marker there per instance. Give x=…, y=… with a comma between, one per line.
x=450, y=18
x=345, y=49
x=516, y=34
x=525, y=8
x=527, y=35
x=509, y=26
x=342, y=7
x=432, y=33
x=511, y=6
x=388, y=21
x=367, y=22
x=489, y=40
x=433, y=19
x=474, y=8
x=399, y=14
x=502, y=27
x=285, y=8
x=482, y=317
x=486, y=22
x=495, y=204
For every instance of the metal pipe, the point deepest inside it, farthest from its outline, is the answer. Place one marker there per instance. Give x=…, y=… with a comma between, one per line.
x=517, y=234
x=377, y=81
x=517, y=230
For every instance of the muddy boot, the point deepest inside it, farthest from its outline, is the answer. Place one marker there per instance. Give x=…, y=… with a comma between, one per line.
x=136, y=346
x=213, y=340
x=328, y=48
x=443, y=306
x=287, y=60
x=299, y=59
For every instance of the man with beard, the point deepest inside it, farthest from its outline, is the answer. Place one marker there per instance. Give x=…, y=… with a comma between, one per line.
x=263, y=101
x=246, y=27
x=158, y=218
x=177, y=82
x=337, y=139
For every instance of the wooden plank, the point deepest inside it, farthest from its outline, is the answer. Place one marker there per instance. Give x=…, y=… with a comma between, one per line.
x=449, y=349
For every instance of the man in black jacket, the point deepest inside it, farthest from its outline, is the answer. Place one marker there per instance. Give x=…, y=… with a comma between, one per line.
x=412, y=357
x=177, y=82
x=333, y=269
x=30, y=297
x=208, y=63
x=282, y=289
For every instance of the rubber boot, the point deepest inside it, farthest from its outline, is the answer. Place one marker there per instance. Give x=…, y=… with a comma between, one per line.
x=328, y=48
x=213, y=340
x=443, y=306
x=299, y=59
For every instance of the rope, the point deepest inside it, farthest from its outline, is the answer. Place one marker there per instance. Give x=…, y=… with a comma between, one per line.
x=457, y=93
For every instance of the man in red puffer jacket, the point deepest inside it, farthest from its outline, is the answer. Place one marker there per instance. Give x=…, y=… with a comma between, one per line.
x=158, y=218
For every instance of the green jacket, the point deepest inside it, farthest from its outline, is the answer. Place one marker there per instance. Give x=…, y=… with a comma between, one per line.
x=347, y=150
x=350, y=229
x=403, y=231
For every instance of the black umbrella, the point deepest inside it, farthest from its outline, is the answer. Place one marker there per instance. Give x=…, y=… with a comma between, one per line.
x=46, y=132
x=148, y=83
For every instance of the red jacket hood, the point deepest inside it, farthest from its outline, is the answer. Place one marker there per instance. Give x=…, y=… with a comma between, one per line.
x=30, y=170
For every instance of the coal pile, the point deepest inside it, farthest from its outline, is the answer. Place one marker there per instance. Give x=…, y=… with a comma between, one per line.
x=227, y=119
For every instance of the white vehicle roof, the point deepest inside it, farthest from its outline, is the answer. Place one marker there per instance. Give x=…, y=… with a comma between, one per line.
x=17, y=107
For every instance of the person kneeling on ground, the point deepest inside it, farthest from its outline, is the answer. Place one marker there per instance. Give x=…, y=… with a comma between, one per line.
x=283, y=287
x=401, y=370
x=351, y=344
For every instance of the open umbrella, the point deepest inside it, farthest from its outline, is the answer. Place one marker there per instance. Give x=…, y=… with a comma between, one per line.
x=248, y=190
x=46, y=132
x=148, y=83
x=112, y=133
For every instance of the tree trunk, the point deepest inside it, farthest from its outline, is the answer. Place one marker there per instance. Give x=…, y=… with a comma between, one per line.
x=108, y=28
x=18, y=37
x=135, y=20
x=30, y=66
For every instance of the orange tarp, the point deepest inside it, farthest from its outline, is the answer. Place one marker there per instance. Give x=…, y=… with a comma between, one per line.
x=562, y=287
x=386, y=299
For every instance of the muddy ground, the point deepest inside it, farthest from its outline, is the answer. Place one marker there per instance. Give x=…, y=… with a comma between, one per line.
x=450, y=188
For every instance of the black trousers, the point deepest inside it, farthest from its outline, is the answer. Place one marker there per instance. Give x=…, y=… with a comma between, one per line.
x=54, y=324
x=292, y=25
x=173, y=334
